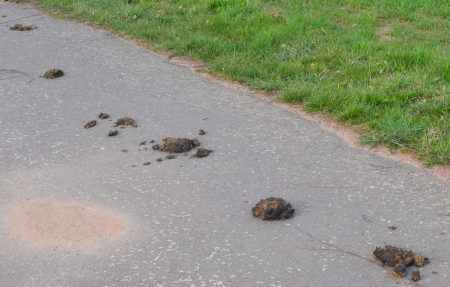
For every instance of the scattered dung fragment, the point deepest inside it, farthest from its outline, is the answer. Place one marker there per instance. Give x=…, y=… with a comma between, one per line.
x=146, y=163
x=159, y=159
x=53, y=73
x=143, y=143
x=124, y=150
x=398, y=272
x=90, y=124
x=201, y=132
x=392, y=227
x=273, y=209
x=415, y=275
x=113, y=133
x=152, y=141
x=434, y=272
x=156, y=147
x=202, y=152
x=178, y=145
x=20, y=27
x=125, y=122
x=171, y=156
x=103, y=116
x=133, y=165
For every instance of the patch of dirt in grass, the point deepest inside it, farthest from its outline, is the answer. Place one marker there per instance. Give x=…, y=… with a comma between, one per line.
x=48, y=222
x=273, y=209
x=20, y=27
x=384, y=31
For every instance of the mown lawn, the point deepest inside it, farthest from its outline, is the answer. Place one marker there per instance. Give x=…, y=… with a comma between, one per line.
x=383, y=66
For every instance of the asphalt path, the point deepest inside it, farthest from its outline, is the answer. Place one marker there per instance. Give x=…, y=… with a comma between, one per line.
x=189, y=220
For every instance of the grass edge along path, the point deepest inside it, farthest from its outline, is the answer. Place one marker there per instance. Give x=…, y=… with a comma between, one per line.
x=382, y=67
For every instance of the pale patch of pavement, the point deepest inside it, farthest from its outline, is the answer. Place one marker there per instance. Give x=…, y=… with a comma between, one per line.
x=189, y=220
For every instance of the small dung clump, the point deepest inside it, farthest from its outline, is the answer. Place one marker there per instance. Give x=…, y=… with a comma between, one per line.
x=113, y=133
x=178, y=145
x=20, y=27
x=103, y=116
x=273, y=209
x=53, y=73
x=146, y=163
x=201, y=132
x=90, y=124
x=125, y=122
x=202, y=152
x=170, y=156
x=415, y=275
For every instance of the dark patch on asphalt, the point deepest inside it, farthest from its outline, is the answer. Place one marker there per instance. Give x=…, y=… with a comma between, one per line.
x=273, y=209
x=20, y=27
x=399, y=258
x=90, y=124
x=113, y=133
x=103, y=116
x=53, y=73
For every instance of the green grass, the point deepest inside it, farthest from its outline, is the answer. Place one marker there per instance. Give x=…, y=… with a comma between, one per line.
x=382, y=65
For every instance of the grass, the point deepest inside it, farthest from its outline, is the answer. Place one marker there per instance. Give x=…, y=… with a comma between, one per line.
x=383, y=66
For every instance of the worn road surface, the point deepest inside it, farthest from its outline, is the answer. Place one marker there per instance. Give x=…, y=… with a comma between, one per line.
x=76, y=210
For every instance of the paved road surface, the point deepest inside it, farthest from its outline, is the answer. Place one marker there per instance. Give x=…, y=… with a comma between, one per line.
x=188, y=219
